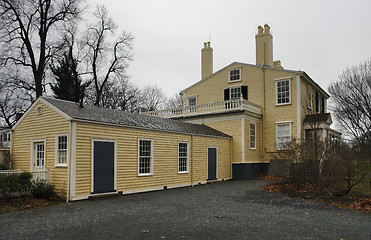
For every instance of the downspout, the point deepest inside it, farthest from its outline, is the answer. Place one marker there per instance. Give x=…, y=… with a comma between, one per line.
x=69, y=162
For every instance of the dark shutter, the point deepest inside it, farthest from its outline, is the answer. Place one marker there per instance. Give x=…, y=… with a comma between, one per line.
x=244, y=92
x=323, y=105
x=226, y=94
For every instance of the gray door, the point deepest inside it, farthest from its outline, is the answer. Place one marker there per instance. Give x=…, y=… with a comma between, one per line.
x=211, y=164
x=103, y=166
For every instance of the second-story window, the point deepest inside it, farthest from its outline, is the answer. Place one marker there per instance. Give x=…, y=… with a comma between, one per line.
x=234, y=75
x=283, y=91
x=318, y=99
x=192, y=102
x=235, y=93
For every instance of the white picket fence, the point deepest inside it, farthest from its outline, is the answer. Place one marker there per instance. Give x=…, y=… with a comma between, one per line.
x=36, y=175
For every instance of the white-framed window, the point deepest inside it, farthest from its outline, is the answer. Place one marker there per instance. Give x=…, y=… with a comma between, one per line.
x=252, y=136
x=283, y=92
x=310, y=97
x=61, y=149
x=283, y=134
x=192, y=102
x=145, y=157
x=235, y=93
x=235, y=74
x=183, y=153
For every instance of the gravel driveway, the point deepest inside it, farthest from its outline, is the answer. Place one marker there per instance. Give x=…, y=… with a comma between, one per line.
x=226, y=210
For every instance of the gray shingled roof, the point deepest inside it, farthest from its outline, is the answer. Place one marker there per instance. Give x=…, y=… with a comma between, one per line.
x=105, y=115
x=323, y=117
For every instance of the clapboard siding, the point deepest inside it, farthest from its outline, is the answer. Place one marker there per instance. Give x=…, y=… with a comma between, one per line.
x=165, y=167
x=44, y=126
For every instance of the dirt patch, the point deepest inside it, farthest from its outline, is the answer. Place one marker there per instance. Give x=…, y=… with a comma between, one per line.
x=25, y=203
x=353, y=201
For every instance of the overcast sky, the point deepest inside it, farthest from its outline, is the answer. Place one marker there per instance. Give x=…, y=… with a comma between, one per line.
x=321, y=38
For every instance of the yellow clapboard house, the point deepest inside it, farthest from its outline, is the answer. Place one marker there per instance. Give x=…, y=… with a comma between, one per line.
x=92, y=150
x=261, y=105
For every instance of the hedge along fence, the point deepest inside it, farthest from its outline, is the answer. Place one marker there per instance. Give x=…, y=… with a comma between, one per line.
x=22, y=183
x=15, y=183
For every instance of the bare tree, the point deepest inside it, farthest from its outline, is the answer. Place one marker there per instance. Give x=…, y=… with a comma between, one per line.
x=351, y=96
x=121, y=95
x=153, y=98
x=29, y=35
x=175, y=101
x=11, y=105
x=107, y=54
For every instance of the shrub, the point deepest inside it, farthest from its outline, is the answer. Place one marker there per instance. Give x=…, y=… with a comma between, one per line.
x=25, y=182
x=9, y=184
x=42, y=189
x=4, y=166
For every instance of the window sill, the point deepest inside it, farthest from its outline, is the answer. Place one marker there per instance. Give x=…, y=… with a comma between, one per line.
x=235, y=81
x=252, y=148
x=283, y=104
x=145, y=174
x=61, y=165
x=183, y=172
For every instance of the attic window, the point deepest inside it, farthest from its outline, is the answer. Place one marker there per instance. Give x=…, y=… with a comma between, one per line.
x=234, y=75
x=39, y=110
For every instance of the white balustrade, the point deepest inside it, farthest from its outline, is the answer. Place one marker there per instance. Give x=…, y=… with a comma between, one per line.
x=213, y=107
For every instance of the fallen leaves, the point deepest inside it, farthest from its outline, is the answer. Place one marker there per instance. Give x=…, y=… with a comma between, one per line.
x=311, y=193
x=20, y=204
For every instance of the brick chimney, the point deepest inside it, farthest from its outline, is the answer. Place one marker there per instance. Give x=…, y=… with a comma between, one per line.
x=264, y=46
x=206, y=60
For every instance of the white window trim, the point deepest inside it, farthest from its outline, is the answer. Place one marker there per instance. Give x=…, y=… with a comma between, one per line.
x=182, y=172
x=229, y=75
x=276, y=96
x=188, y=97
x=230, y=91
x=254, y=136
x=151, y=161
x=310, y=97
x=282, y=123
x=56, y=157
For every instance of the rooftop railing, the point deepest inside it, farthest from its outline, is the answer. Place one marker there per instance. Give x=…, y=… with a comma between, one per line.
x=207, y=108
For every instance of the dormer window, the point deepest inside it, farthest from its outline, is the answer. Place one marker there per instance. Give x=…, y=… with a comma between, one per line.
x=235, y=75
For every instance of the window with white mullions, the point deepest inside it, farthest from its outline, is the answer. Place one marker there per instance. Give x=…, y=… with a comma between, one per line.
x=234, y=75
x=183, y=157
x=283, y=91
x=40, y=155
x=283, y=134
x=252, y=136
x=235, y=93
x=62, y=149
x=145, y=157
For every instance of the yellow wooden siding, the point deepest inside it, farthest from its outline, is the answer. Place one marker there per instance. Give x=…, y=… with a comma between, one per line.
x=234, y=129
x=34, y=126
x=165, y=165
x=253, y=77
x=213, y=88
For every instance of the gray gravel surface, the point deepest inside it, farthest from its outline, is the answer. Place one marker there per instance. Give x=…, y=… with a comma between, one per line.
x=226, y=210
